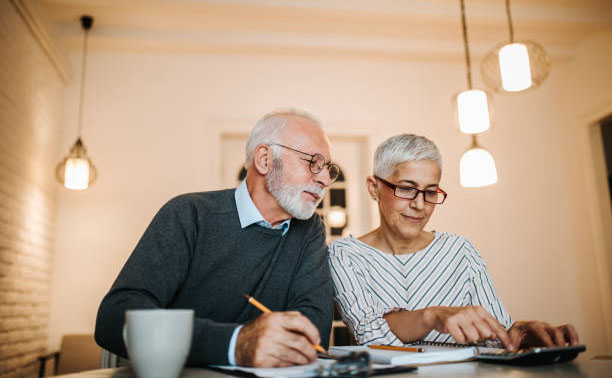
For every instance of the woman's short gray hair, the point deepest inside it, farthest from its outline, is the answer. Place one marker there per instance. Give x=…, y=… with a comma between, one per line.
x=269, y=128
x=401, y=148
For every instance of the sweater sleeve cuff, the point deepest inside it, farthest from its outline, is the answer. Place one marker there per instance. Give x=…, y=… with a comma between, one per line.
x=210, y=342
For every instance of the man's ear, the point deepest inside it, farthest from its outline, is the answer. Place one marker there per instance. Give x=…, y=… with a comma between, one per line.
x=262, y=159
x=372, y=187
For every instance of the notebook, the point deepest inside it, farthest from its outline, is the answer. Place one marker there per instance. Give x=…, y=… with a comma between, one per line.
x=491, y=352
x=432, y=354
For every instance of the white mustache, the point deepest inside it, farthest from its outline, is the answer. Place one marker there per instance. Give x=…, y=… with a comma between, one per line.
x=314, y=189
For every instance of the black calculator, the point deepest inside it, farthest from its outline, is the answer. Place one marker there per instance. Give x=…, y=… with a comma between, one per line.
x=531, y=356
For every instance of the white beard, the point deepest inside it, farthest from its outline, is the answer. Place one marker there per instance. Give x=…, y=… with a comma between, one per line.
x=289, y=197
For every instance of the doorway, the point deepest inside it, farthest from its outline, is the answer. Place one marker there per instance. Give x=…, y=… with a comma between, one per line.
x=606, y=138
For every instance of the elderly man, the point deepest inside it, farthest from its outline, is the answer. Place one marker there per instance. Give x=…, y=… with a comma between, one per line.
x=205, y=250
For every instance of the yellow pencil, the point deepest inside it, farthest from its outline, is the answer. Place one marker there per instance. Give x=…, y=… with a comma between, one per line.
x=264, y=309
x=403, y=349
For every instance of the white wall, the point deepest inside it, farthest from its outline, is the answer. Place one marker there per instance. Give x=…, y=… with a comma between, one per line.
x=153, y=120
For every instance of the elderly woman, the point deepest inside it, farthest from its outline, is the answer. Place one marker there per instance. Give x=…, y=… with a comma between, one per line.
x=399, y=283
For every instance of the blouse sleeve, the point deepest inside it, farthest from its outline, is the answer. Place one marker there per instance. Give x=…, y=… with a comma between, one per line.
x=485, y=294
x=361, y=311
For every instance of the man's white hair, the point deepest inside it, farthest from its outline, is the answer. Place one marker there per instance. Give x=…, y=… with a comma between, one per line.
x=269, y=128
x=401, y=148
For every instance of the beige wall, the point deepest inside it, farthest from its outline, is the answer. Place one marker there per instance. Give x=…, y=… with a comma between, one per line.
x=31, y=95
x=153, y=125
x=584, y=98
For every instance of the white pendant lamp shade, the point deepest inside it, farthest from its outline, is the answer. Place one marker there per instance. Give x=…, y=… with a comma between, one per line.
x=473, y=113
x=76, y=171
x=473, y=105
x=76, y=174
x=514, y=67
x=477, y=168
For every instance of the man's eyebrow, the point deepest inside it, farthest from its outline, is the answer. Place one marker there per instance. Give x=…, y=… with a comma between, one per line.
x=325, y=157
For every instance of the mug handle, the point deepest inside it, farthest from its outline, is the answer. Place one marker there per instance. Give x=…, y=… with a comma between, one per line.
x=125, y=337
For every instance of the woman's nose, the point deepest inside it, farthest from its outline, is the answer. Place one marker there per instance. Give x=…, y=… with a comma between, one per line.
x=418, y=202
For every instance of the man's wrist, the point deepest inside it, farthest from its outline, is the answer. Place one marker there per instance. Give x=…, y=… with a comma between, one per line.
x=231, y=350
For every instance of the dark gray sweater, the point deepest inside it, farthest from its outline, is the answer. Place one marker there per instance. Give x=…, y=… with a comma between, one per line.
x=195, y=255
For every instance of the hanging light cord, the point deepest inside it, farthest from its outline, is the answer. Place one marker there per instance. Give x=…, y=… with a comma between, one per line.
x=466, y=47
x=86, y=27
x=510, y=27
x=474, y=141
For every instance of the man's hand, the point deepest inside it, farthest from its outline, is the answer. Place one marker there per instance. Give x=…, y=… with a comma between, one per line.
x=467, y=324
x=534, y=333
x=277, y=339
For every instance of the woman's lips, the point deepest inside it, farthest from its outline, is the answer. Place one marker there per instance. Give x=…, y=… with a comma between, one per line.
x=412, y=219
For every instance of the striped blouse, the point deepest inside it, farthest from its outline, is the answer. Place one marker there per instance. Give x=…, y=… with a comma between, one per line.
x=369, y=283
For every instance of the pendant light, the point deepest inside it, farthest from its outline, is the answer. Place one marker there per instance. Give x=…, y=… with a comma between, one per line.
x=472, y=106
x=516, y=65
x=477, y=167
x=76, y=171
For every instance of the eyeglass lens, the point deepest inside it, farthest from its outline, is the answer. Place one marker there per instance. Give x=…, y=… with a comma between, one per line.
x=430, y=196
x=318, y=163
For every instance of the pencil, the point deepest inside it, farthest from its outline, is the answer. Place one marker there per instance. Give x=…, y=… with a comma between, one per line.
x=403, y=349
x=264, y=309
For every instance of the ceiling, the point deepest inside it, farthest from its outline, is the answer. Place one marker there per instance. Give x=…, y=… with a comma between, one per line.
x=411, y=28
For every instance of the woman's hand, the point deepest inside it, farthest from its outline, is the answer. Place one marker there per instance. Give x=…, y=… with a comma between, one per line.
x=464, y=324
x=532, y=333
x=467, y=324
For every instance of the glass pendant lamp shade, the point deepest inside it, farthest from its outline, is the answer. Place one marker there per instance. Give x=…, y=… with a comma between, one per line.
x=76, y=171
x=76, y=174
x=508, y=65
x=514, y=67
x=477, y=168
x=473, y=113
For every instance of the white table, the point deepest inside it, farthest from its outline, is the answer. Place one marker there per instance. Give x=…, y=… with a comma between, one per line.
x=583, y=368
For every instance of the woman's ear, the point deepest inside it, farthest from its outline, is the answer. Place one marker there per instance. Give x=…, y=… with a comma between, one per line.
x=372, y=187
x=262, y=159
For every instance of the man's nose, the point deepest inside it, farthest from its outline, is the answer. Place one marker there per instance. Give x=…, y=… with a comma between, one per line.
x=323, y=178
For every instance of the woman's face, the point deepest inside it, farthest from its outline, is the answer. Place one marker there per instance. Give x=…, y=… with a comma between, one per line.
x=404, y=217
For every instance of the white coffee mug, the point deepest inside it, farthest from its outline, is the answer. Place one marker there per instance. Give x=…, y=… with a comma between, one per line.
x=158, y=341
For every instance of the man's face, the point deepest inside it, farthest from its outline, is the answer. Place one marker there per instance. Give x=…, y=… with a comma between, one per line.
x=296, y=189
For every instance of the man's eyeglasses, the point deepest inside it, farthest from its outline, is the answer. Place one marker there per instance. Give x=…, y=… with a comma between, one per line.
x=317, y=163
x=407, y=192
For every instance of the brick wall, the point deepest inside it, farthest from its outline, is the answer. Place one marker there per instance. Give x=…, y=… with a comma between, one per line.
x=31, y=95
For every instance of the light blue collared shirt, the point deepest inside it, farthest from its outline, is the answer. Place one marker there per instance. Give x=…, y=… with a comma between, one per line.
x=249, y=214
